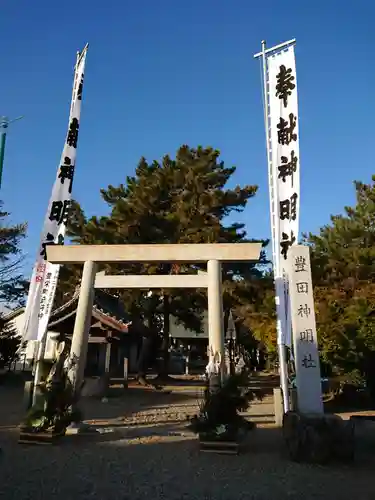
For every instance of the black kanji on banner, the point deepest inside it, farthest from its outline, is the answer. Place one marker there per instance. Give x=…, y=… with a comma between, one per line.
x=288, y=208
x=80, y=88
x=288, y=167
x=60, y=211
x=67, y=172
x=73, y=133
x=286, y=134
x=284, y=84
x=286, y=243
x=50, y=240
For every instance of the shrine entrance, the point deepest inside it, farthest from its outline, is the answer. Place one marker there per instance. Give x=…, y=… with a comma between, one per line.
x=90, y=255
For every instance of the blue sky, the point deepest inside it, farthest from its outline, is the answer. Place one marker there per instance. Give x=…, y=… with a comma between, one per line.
x=161, y=73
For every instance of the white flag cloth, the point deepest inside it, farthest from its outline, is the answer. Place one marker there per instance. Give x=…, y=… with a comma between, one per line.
x=284, y=175
x=45, y=275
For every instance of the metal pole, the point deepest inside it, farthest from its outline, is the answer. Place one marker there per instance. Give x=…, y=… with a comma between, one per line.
x=2, y=149
x=275, y=47
x=268, y=149
x=274, y=224
x=4, y=124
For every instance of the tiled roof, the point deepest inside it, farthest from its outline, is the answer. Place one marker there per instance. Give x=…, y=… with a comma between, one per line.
x=107, y=309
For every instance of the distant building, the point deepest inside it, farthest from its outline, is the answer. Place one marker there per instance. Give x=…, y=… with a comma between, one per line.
x=178, y=331
x=109, y=340
x=16, y=318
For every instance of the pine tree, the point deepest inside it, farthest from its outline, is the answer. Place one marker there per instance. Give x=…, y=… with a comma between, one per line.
x=181, y=200
x=9, y=343
x=175, y=201
x=13, y=286
x=343, y=266
x=255, y=309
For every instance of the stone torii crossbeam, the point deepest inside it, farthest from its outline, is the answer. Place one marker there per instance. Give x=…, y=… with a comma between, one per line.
x=90, y=255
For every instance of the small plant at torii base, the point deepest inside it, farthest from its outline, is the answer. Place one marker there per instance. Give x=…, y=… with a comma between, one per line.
x=219, y=417
x=53, y=410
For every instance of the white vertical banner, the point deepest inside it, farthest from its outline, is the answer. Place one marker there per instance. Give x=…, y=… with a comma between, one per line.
x=284, y=174
x=45, y=275
x=309, y=389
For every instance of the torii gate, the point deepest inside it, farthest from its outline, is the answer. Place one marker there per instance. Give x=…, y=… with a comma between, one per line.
x=89, y=255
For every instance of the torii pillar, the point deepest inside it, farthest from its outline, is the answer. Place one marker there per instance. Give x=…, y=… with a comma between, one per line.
x=215, y=313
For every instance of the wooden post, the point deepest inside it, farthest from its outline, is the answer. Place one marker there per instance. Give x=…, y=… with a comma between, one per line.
x=107, y=357
x=126, y=372
x=187, y=360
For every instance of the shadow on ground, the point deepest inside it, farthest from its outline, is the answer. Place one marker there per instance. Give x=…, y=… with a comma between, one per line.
x=125, y=401
x=120, y=404
x=137, y=464
x=130, y=401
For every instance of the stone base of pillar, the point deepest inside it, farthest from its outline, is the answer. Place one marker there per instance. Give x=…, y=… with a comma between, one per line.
x=28, y=391
x=318, y=438
x=95, y=387
x=293, y=400
x=278, y=406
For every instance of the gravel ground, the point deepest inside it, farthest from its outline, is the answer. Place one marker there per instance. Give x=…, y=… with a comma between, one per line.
x=160, y=460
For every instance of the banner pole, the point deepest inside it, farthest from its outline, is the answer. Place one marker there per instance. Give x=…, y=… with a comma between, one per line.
x=283, y=45
x=283, y=367
x=4, y=124
x=2, y=148
x=41, y=346
x=268, y=149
